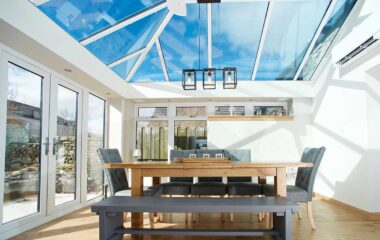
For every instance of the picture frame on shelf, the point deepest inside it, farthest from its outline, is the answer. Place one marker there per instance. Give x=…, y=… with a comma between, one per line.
x=269, y=111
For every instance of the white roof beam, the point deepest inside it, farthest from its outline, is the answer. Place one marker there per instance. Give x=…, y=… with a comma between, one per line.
x=209, y=35
x=123, y=24
x=262, y=39
x=162, y=60
x=316, y=36
x=126, y=58
x=39, y=2
x=149, y=45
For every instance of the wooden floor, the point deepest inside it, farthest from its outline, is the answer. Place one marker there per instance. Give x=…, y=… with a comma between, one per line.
x=333, y=223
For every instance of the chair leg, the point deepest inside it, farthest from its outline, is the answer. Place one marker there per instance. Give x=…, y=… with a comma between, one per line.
x=125, y=216
x=231, y=213
x=310, y=214
x=151, y=219
x=186, y=214
x=299, y=215
x=193, y=215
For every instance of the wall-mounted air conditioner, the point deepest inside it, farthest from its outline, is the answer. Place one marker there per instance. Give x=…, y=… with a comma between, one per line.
x=370, y=41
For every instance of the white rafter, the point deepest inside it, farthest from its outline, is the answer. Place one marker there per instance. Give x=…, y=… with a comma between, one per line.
x=162, y=60
x=315, y=38
x=149, y=45
x=126, y=58
x=262, y=39
x=123, y=24
x=209, y=35
x=39, y=2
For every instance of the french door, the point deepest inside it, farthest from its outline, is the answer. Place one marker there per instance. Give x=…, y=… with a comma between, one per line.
x=40, y=143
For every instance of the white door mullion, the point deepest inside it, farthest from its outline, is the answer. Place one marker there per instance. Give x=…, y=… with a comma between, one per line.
x=209, y=34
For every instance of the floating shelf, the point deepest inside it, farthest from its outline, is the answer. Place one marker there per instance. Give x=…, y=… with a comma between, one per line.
x=251, y=118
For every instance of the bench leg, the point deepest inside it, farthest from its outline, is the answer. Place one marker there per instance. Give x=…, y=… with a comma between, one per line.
x=283, y=224
x=108, y=222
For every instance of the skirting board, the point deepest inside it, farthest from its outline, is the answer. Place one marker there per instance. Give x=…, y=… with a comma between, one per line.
x=375, y=216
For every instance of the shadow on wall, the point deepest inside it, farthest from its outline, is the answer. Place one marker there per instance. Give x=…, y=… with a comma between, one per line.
x=346, y=173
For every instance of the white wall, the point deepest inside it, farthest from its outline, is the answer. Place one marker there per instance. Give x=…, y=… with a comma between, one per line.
x=346, y=117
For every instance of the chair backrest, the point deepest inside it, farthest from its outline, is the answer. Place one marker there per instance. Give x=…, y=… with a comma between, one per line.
x=116, y=178
x=306, y=176
x=210, y=179
x=241, y=155
x=181, y=179
x=239, y=179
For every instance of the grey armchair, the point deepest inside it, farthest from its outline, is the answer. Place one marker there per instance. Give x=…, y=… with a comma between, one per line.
x=302, y=191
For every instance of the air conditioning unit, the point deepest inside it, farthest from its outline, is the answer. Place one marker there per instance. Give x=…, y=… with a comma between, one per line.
x=370, y=41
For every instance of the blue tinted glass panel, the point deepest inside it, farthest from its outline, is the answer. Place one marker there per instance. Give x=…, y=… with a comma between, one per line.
x=127, y=40
x=328, y=34
x=291, y=29
x=82, y=18
x=125, y=67
x=179, y=41
x=150, y=70
x=236, y=31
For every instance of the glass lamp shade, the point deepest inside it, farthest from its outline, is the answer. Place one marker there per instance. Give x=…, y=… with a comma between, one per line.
x=137, y=153
x=229, y=78
x=209, y=78
x=189, y=79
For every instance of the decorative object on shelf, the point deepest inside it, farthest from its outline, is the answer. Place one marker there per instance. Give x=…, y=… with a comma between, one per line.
x=219, y=155
x=137, y=154
x=206, y=155
x=189, y=76
x=192, y=155
x=269, y=110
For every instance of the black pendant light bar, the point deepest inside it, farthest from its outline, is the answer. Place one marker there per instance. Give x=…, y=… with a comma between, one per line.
x=189, y=78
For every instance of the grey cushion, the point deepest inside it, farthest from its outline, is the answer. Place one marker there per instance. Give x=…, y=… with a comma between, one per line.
x=244, y=188
x=293, y=193
x=116, y=178
x=180, y=154
x=208, y=188
x=212, y=152
x=242, y=155
x=176, y=188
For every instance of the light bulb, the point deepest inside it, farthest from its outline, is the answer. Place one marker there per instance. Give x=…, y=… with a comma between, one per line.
x=189, y=79
x=209, y=78
x=229, y=77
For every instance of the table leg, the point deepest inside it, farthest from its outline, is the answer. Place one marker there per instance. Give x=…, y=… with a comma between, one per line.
x=137, y=190
x=156, y=181
x=280, y=182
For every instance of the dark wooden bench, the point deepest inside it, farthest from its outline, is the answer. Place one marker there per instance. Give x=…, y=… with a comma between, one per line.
x=111, y=211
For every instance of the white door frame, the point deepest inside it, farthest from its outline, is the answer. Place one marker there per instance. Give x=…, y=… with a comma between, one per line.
x=44, y=133
x=55, y=83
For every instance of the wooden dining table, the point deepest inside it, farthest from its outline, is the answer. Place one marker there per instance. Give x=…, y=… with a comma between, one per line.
x=139, y=170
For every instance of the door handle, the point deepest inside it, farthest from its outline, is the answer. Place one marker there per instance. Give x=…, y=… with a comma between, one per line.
x=46, y=144
x=55, y=144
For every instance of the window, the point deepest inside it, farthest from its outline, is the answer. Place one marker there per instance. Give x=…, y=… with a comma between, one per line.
x=152, y=139
x=153, y=112
x=95, y=140
x=230, y=110
x=191, y=111
x=190, y=134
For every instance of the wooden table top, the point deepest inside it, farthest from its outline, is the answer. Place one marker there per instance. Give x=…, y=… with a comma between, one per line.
x=172, y=165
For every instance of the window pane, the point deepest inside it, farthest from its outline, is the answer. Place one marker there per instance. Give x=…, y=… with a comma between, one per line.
x=128, y=39
x=328, y=34
x=23, y=144
x=66, y=147
x=152, y=112
x=191, y=111
x=236, y=31
x=82, y=18
x=179, y=41
x=190, y=135
x=291, y=29
x=95, y=140
x=151, y=69
x=230, y=110
x=152, y=140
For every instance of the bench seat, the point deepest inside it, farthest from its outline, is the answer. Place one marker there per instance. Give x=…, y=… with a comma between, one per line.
x=111, y=211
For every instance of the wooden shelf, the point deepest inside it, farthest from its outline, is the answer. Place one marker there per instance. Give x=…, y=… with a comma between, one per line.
x=251, y=118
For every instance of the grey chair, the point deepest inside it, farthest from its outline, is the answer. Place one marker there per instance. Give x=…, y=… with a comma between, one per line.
x=117, y=178
x=302, y=191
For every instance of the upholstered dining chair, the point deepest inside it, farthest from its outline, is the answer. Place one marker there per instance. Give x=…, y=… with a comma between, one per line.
x=302, y=191
x=117, y=178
